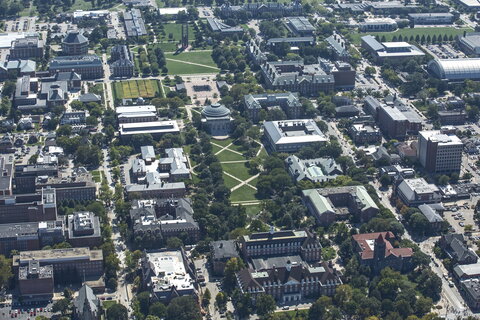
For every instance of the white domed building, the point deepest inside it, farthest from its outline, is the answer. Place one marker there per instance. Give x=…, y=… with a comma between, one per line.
x=216, y=118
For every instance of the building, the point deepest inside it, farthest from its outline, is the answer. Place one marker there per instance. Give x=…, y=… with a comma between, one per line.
x=78, y=187
x=15, y=68
x=281, y=243
x=6, y=176
x=164, y=218
x=299, y=26
x=470, y=288
x=221, y=252
x=86, y=305
x=455, y=70
x=469, y=5
x=296, y=77
x=35, y=282
x=292, y=41
x=83, y=229
x=346, y=111
x=156, y=189
x=155, y=128
x=216, y=25
x=79, y=15
x=166, y=275
x=339, y=46
x=328, y=205
x=431, y=18
x=121, y=61
x=392, y=7
x=26, y=48
x=34, y=207
x=88, y=66
x=22, y=236
x=289, y=280
x=26, y=175
x=365, y=134
x=396, y=121
x=260, y=9
x=470, y=43
x=452, y=117
x=292, y=135
x=414, y=192
x=134, y=24
x=289, y=102
x=216, y=118
x=74, y=117
x=439, y=152
x=75, y=44
x=175, y=163
x=68, y=264
x=376, y=251
x=432, y=212
x=466, y=271
x=135, y=114
x=377, y=25
x=315, y=170
x=454, y=244
x=171, y=12
x=390, y=51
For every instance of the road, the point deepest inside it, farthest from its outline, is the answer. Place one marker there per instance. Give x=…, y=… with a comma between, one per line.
x=451, y=298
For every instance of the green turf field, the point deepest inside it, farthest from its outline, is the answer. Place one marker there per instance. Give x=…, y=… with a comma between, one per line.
x=135, y=88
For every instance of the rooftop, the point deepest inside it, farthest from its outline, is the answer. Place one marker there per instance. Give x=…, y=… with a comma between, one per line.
x=294, y=131
x=57, y=255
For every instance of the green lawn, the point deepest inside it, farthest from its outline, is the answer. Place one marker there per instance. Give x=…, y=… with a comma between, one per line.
x=226, y=155
x=176, y=30
x=254, y=182
x=229, y=181
x=215, y=149
x=407, y=32
x=223, y=143
x=238, y=170
x=167, y=46
x=96, y=176
x=200, y=57
x=177, y=68
x=81, y=5
x=135, y=88
x=243, y=193
x=253, y=210
x=108, y=303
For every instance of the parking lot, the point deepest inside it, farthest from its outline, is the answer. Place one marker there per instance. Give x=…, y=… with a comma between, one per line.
x=445, y=51
x=26, y=312
x=459, y=215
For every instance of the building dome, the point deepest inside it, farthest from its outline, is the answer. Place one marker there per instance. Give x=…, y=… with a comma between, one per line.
x=75, y=37
x=215, y=110
x=455, y=69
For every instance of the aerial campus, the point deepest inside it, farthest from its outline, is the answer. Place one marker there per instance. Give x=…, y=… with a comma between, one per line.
x=231, y=159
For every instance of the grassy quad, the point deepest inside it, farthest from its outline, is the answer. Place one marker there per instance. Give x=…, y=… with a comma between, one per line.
x=238, y=170
x=200, y=57
x=205, y=63
x=408, y=32
x=227, y=155
x=244, y=193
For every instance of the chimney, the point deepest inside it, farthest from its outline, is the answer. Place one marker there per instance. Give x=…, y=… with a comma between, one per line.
x=288, y=266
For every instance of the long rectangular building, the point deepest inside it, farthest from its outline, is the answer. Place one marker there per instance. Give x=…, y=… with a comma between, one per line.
x=82, y=261
x=88, y=66
x=134, y=24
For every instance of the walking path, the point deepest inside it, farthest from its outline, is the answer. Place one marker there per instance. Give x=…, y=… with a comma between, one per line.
x=245, y=182
x=192, y=63
x=225, y=148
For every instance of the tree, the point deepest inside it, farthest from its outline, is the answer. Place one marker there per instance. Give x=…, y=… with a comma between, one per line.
x=143, y=299
x=174, y=243
x=231, y=267
x=117, y=311
x=183, y=308
x=206, y=298
x=265, y=304
x=61, y=306
x=158, y=309
x=221, y=300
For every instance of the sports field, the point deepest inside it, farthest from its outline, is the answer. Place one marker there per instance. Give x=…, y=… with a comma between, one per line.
x=135, y=88
x=413, y=32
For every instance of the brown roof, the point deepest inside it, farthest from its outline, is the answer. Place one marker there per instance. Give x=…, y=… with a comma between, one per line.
x=367, y=250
